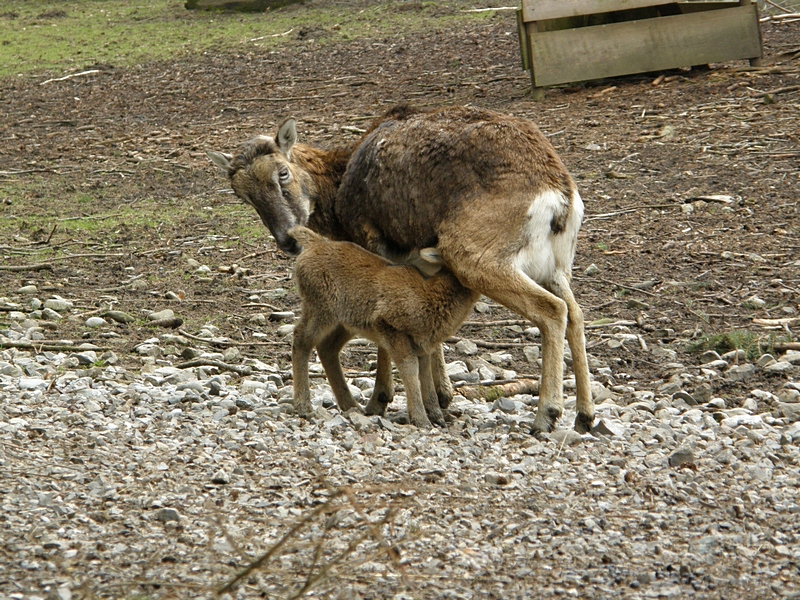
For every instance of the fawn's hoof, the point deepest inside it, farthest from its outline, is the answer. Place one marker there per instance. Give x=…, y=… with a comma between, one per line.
x=377, y=404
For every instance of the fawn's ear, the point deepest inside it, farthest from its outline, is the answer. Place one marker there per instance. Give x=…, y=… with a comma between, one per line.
x=287, y=136
x=222, y=160
x=431, y=255
x=427, y=261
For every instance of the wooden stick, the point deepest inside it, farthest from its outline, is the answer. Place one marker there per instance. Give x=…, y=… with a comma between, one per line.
x=207, y=362
x=36, y=267
x=39, y=347
x=787, y=346
x=81, y=74
x=783, y=90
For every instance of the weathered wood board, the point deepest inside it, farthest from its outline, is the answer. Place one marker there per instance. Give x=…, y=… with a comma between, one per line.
x=648, y=45
x=542, y=10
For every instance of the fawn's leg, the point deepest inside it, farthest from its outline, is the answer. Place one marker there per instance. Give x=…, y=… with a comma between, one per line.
x=441, y=382
x=430, y=398
x=383, y=392
x=302, y=345
x=328, y=350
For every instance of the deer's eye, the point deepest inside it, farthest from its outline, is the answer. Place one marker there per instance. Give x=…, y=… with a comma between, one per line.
x=284, y=175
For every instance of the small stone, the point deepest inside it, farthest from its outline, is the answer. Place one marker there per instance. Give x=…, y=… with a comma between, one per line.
x=681, y=456
x=58, y=304
x=161, y=315
x=119, y=316
x=285, y=330
x=780, y=367
x=360, y=421
x=735, y=356
x=86, y=358
x=566, y=437
x=717, y=403
x=51, y=315
x=765, y=359
x=221, y=477
x=169, y=514
x=532, y=353
x=495, y=479
x=27, y=290
x=592, y=269
x=740, y=372
x=790, y=411
x=637, y=304
x=709, y=356
x=467, y=347
x=608, y=428
x=258, y=319
x=95, y=322
x=281, y=316
x=505, y=405
x=33, y=383
x=688, y=398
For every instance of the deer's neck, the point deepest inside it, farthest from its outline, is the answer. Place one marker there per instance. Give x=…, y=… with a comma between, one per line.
x=325, y=169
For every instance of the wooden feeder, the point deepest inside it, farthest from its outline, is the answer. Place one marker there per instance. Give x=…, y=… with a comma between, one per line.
x=565, y=41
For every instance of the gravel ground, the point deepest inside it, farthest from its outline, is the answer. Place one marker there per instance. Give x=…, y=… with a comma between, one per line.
x=172, y=482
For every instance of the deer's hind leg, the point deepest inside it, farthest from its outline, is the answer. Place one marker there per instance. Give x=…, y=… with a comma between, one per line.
x=485, y=265
x=518, y=292
x=584, y=419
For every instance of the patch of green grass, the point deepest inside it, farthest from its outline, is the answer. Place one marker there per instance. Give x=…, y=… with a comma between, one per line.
x=754, y=344
x=54, y=36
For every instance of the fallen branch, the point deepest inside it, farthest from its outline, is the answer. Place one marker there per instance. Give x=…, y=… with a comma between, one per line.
x=482, y=344
x=26, y=171
x=787, y=346
x=492, y=390
x=477, y=10
x=81, y=74
x=783, y=90
x=207, y=362
x=42, y=346
x=36, y=267
x=776, y=322
x=224, y=342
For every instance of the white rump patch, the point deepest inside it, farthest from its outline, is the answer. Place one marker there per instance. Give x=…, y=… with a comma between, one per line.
x=545, y=253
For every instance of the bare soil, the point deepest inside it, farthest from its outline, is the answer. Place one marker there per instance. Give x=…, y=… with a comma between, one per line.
x=671, y=267
x=642, y=154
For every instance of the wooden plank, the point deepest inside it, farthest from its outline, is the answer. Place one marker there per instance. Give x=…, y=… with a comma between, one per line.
x=690, y=7
x=524, y=39
x=649, y=45
x=539, y=10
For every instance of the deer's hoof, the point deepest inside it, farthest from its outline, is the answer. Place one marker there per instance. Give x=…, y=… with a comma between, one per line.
x=583, y=423
x=545, y=421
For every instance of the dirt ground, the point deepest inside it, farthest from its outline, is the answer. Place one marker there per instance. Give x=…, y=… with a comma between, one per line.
x=673, y=266
x=690, y=180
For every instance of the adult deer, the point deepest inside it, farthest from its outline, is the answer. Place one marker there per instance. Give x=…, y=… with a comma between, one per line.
x=486, y=189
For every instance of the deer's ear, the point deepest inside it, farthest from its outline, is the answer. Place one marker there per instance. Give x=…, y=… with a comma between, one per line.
x=222, y=160
x=287, y=136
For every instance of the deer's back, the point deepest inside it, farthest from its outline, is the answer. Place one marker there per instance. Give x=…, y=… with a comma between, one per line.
x=411, y=173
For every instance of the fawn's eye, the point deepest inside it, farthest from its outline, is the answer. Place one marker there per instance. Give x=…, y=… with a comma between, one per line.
x=284, y=175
